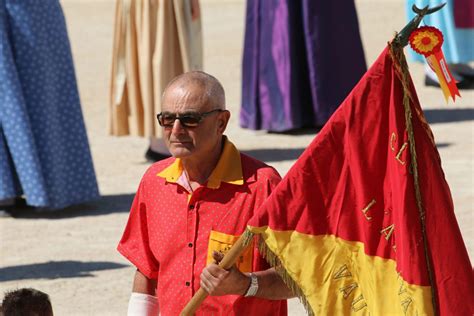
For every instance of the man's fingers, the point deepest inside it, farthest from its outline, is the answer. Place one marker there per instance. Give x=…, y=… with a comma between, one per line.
x=206, y=274
x=208, y=280
x=205, y=286
x=213, y=277
x=213, y=272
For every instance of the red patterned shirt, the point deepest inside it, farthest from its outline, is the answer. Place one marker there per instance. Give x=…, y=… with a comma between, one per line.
x=171, y=232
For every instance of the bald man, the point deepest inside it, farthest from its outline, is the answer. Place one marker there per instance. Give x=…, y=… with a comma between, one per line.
x=192, y=207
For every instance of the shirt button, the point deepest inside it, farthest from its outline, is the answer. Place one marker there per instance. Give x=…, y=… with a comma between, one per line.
x=190, y=245
x=188, y=283
x=191, y=207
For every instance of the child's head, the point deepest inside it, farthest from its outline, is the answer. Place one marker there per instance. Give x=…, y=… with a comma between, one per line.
x=26, y=302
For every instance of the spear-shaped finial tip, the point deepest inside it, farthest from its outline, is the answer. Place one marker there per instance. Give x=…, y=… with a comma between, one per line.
x=402, y=37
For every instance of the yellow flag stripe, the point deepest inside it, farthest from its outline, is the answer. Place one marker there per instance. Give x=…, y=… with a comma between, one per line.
x=338, y=278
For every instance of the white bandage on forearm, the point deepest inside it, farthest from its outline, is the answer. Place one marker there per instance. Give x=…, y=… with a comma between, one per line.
x=143, y=305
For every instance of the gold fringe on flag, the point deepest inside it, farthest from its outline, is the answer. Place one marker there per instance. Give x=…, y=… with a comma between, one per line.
x=247, y=238
x=275, y=262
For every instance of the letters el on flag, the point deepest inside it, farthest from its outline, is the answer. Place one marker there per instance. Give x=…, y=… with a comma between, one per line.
x=345, y=226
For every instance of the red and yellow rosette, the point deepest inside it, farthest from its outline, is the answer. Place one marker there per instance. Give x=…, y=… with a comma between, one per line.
x=427, y=41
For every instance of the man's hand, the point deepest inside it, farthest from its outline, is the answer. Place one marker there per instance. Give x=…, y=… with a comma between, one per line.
x=217, y=281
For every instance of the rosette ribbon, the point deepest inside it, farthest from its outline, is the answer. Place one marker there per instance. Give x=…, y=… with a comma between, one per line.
x=427, y=41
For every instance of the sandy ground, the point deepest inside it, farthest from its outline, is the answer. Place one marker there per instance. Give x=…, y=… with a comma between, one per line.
x=71, y=254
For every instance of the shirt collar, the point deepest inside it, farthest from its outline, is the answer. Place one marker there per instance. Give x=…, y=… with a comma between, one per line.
x=228, y=168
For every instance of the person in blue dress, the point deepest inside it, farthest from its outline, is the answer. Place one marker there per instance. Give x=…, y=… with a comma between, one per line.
x=456, y=22
x=44, y=150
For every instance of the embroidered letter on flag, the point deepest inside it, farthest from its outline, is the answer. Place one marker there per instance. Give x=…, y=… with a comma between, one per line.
x=364, y=221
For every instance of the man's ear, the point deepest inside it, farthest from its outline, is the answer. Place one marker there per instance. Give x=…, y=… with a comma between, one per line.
x=223, y=120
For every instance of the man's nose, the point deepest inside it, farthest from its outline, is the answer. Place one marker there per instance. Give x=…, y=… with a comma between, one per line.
x=178, y=128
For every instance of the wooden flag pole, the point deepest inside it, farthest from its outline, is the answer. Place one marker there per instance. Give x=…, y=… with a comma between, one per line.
x=398, y=56
x=227, y=262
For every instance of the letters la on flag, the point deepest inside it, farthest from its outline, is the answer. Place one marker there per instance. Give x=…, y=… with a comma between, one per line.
x=345, y=227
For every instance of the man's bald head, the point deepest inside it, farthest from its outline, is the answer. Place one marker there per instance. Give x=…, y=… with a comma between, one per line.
x=199, y=97
x=212, y=90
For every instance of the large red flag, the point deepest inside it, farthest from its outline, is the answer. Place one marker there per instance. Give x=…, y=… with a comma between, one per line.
x=364, y=221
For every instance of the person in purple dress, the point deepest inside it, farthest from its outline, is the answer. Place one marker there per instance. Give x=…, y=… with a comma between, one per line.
x=301, y=59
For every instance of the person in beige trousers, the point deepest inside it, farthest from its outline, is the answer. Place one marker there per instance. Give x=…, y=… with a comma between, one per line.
x=154, y=41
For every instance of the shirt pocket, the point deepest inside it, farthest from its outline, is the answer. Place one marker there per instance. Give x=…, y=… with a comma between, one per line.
x=222, y=243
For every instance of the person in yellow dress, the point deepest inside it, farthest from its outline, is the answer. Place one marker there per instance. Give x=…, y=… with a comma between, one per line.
x=154, y=41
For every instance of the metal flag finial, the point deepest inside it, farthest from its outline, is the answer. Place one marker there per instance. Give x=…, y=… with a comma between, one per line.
x=402, y=37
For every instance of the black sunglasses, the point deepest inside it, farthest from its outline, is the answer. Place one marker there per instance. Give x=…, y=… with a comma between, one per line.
x=187, y=120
